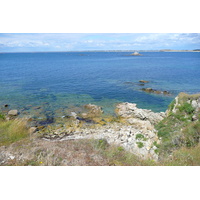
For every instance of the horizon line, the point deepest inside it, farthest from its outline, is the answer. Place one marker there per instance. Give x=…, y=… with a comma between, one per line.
x=160, y=50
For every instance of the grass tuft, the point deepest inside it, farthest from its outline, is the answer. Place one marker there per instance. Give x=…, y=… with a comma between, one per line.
x=12, y=131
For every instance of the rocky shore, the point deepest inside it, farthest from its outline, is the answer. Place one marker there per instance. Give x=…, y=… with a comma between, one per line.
x=132, y=128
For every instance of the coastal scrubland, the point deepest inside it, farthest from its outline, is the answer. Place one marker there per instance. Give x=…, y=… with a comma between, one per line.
x=179, y=133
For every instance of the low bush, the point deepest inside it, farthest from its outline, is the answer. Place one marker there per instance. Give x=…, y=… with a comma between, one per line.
x=139, y=137
x=187, y=108
x=140, y=144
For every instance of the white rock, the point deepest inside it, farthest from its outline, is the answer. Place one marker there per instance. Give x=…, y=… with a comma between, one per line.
x=13, y=112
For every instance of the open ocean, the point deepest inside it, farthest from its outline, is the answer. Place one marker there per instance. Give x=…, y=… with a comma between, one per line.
x=60, y=80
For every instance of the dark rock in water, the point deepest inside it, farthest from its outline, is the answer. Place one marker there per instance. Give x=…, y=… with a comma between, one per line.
x=150, y=90
x=13, y=113
x=36, y=107
x=143, y=81
x=166, y=93
x=129, y=83
x=86, y=120
x=141, y=84
x=157, y=92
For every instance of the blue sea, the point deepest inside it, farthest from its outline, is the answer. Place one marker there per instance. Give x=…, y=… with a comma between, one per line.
x=60, y=80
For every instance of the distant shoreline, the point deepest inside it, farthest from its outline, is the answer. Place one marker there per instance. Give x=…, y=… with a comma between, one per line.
x=167, y=50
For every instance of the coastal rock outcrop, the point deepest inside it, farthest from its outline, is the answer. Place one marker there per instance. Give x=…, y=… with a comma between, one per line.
x=134, y=131
x=130, y=111
x=139, y=141
x=184, y=100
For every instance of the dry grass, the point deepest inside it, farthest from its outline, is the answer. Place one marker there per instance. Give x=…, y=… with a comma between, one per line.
x=184, y=96
x=38, y=152
x=184, y=157
x=12, y=131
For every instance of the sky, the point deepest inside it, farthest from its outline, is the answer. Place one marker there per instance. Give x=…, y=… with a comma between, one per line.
x=29, y=42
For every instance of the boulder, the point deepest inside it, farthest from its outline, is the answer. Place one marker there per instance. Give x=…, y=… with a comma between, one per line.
x=32, y=130
x=92, y=111
x=73, y=114
x=13, y=113
x=129, y=110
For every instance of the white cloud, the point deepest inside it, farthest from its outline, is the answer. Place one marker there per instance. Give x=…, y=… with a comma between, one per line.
x=78, y=41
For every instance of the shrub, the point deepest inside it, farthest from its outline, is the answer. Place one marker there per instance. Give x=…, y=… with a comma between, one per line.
x=139, y=137
x=120, y=148
x=140, y=144
x=187, y=108
x=156, y=144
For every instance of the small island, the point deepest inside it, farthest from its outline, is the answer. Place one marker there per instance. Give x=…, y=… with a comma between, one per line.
x=136, y=54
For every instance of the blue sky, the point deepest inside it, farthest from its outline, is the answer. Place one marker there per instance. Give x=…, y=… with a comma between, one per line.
x=24, y=42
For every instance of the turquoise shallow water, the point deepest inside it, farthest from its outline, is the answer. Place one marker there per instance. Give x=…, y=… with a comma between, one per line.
x=61, y=80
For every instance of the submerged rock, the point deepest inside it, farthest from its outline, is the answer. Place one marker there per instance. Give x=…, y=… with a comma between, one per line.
x=150, y=90
x=143, y=81
x=92, y=111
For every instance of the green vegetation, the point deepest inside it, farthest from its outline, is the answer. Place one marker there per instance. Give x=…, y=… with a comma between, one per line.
x=171, y=105
x=12, y=131
x=187, y=108
x=139, y=137
x=178, y=129
x=118, y=156
x=2, y=116
x=183, y=157
x=191, y=134
x=140, y=144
